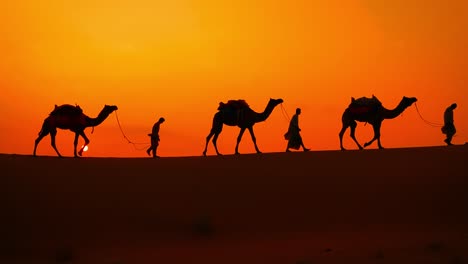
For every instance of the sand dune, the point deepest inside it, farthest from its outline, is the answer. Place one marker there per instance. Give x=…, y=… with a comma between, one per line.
x=372, y=206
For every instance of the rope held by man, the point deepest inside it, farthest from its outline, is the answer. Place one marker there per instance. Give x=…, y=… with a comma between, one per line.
x=125, y=136
x=424, y=120
x=284, y=112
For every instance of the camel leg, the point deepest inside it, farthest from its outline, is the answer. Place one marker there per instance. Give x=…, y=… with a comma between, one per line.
x=378, y=139
x=215, y=138
x=376, y=128
x=207, y=141
x=53, y=133
x=239, y=137
x=353, y=126
x=75, y=143
x=252, y=134
x=379, y=144
x=42, y=134
x=216, y=129
x=83, y=135
x=343, y=130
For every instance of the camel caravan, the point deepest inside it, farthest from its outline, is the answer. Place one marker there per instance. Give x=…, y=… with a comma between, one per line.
x=233, y=113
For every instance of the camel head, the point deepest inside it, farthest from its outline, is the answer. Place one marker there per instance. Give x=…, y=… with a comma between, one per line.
x=109, y=109
x=275, y=102
x=408, y=101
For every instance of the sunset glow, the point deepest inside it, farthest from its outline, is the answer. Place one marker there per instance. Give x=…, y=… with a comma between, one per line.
x=178, y=59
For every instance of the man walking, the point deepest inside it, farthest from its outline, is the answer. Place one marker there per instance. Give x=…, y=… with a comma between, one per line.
x=449, y=127
x=293, y=135
x=155, y=138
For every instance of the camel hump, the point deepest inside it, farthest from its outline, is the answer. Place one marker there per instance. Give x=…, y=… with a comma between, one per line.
x=233, y=105
x=67, y=109
x=365, y=101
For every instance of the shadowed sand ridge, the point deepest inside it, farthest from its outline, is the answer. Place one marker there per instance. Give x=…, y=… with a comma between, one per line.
x=392, y=206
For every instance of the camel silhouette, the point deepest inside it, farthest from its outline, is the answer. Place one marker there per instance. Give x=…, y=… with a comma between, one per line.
x=370, y=110
x=72, y=118
x=238, y=113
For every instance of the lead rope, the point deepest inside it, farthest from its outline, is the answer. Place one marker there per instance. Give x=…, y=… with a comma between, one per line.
x=285, y=113
x=128, y=140
x=424, y=120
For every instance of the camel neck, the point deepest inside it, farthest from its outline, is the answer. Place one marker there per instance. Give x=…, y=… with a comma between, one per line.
x=393, y=113
x=266, y=113
x=97, y=120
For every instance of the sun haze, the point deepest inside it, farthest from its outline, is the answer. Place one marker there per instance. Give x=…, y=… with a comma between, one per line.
x=179, y=59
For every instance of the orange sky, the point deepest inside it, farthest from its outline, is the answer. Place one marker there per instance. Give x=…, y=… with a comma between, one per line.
x=180, y=58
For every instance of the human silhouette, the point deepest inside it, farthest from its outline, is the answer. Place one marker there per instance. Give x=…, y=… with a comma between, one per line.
x=371, y=111
x=154, y=136
x=72, y=118
x=293, y=135
x=449, y=127
x=238, y=113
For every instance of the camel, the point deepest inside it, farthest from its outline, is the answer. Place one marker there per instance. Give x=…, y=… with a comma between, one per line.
x=371, y=111
x=238, y=113
x=72, y=118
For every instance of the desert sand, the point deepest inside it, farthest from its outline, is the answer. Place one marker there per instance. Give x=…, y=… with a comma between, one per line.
x=404, y=205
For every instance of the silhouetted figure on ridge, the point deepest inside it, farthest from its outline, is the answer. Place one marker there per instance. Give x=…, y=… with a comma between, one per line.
x=371, y=111
x=238, y=113
x=72, y=118
x=449, y=127
x=293, y=135
x=154, y=136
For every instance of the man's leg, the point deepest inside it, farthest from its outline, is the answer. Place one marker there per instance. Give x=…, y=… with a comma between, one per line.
x=155, y=148
x=449, y=139
x=148, y=151
x=303, y=147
